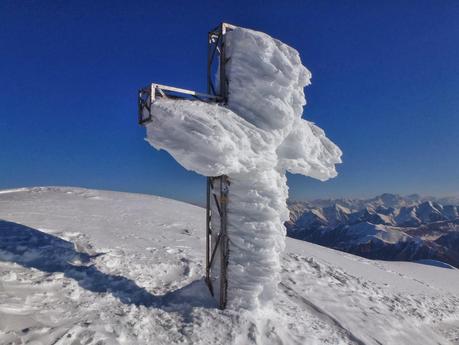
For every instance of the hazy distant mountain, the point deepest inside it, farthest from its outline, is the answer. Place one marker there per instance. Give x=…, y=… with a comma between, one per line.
x=388, y=226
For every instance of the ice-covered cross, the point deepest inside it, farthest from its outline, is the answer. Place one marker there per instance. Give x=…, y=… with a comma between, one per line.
x=254, y=139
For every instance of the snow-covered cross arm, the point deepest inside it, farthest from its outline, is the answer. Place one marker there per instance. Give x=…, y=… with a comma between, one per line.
x=254, y=139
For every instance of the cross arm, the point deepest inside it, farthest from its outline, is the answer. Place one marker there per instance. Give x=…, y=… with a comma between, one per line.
x=148, y=95
x=308, y=151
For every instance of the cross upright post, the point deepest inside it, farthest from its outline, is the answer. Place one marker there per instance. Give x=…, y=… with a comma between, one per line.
x=217, y=186
x=217, y=251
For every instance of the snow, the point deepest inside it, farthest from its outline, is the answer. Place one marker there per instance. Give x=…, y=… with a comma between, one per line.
x=140, y=281
x=15, y=190
x=253, y=140
x=366, y=232
x=436, y=263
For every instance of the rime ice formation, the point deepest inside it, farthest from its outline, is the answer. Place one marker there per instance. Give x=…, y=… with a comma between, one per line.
x=254, y=140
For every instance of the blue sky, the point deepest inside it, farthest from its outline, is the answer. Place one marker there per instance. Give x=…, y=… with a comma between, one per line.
x=385, y=88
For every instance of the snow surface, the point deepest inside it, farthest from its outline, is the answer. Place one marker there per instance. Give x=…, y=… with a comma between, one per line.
x=81, y=266
x=253, y=140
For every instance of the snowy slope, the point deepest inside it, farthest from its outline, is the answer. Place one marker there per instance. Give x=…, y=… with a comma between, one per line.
x=81, y=266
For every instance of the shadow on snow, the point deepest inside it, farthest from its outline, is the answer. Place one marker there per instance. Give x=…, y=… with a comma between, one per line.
x=32, y=248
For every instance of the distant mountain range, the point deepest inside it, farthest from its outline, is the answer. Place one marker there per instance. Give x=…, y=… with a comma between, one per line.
x=387, y=227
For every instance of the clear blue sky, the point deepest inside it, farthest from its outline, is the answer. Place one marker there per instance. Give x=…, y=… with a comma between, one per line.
x=385, y=88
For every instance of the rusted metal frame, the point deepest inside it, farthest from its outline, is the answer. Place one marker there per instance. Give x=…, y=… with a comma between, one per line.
x=215, y=198
x=208, y=234
x=141, y=104
x=224, y=252
x=210, y=257
x=162, y=89
x=221, y=243
x=214, y=39
x=148, y=95
x=223, y=80
x=161, y=92
x=215, y=250
x=218, y=206
x=213, y=42
x=223, y=28
x=217, y=44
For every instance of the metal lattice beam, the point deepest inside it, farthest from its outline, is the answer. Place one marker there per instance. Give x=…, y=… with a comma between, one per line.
x=217, y=249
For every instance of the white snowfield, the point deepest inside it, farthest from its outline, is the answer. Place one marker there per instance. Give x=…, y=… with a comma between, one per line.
x=253, y=140
x=81, y=266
